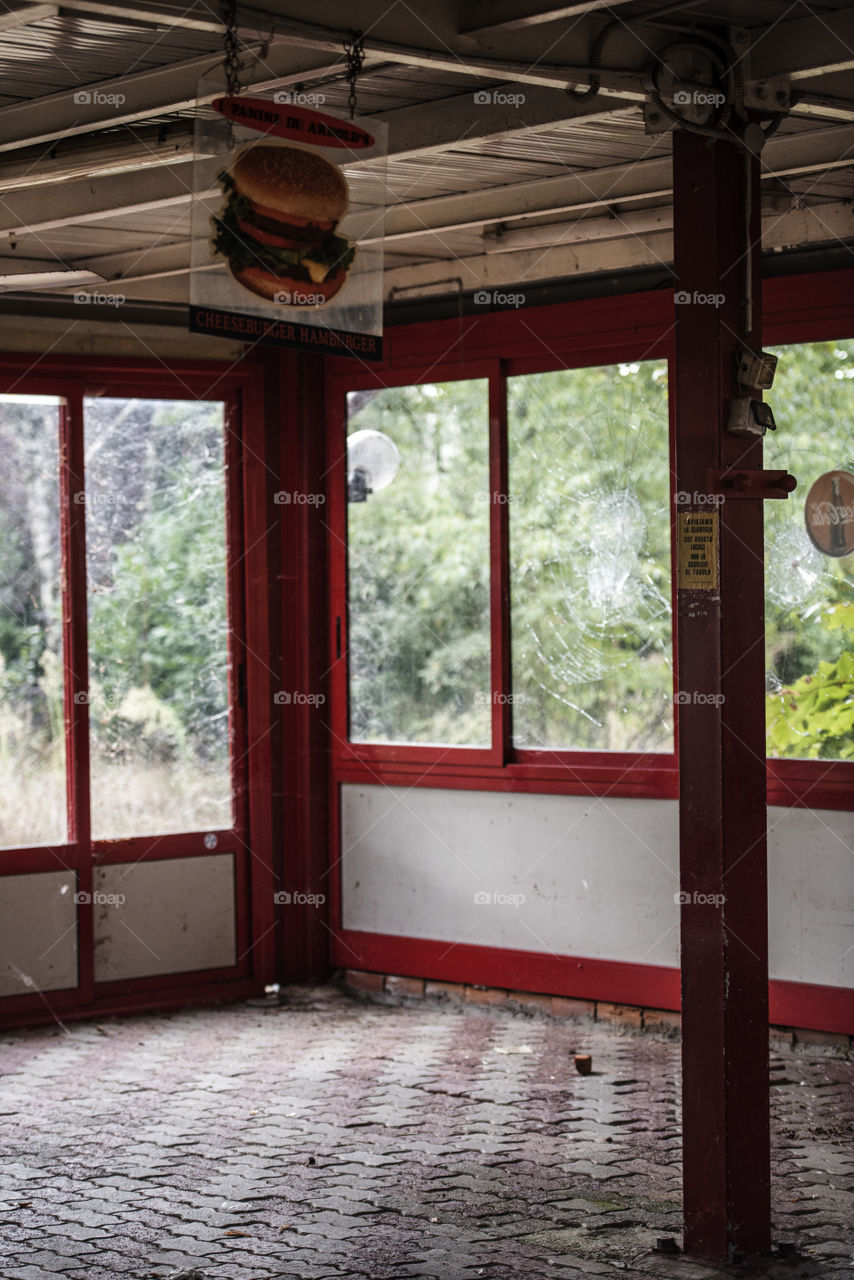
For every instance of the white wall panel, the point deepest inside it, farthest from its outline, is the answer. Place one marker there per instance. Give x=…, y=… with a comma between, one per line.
x=169, y=916
x=38, y=934
x=811, y=883
x=598, y=876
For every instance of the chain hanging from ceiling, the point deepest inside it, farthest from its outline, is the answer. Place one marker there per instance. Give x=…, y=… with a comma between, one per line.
x=354, y=48
x=232, y=61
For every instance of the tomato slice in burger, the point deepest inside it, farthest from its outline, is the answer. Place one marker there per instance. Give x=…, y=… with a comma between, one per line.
x=294, y=218
x=267, y=237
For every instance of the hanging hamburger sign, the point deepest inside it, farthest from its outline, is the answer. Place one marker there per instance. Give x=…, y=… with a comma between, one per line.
x=287, y=242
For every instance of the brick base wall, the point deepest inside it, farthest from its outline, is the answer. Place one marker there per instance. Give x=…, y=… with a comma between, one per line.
x=658, y=1021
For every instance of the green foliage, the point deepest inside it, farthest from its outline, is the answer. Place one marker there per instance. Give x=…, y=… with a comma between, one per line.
x=815, y=716
x=157, y=614
x=589, y=524
x=419, y=572
x=809, y=616
x=30, y=618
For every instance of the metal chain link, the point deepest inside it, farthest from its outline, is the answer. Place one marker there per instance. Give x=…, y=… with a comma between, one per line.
x=355, y=51
x=232, y=61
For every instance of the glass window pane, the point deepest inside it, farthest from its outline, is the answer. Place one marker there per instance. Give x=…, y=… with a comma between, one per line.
x=590, y=559
x=418, y=570
x=809, y=596
x=32, y=714
x=158, y=634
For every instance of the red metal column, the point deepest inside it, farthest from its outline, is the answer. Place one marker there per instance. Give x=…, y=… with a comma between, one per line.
x=77, y=680
x=304, y=797
x=722, y=822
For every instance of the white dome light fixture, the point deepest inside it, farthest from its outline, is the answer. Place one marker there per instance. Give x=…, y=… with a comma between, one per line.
x=372, y=463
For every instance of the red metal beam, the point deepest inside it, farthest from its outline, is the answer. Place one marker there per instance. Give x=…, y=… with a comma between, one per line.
x=726, y=1151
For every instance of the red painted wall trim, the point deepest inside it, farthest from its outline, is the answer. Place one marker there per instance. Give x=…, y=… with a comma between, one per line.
x=793, y=1004
x=35, y=1012
x=654, y=986
x=803, y=1004
x=569, y=780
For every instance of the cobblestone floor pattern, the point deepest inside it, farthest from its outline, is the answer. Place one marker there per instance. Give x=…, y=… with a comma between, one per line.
x=333, y=1138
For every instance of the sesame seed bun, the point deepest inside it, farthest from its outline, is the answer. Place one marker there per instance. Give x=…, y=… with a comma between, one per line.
x=291, y=181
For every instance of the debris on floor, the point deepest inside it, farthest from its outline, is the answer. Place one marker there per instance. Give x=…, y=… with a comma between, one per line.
x=338, y=1139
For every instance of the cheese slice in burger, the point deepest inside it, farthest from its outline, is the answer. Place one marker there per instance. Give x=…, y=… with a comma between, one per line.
x=277, y=229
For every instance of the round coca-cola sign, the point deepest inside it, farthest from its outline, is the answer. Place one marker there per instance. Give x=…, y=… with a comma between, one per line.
x=829, y=513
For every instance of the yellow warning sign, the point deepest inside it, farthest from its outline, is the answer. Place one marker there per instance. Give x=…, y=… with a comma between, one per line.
x=698, y=550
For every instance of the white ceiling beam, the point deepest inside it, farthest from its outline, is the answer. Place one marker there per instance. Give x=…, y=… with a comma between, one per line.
x=138, y=150
x=823, y=106
x=431, y=127
x=155, y=15
x=93, y=200
x=505, y=18
x=123, y=195
x=167, y=89
x=10, y=264
x=512, y=271
x=149, y=261
x=157, y=91
x=421, y=130
x=26, y=17
x=613, y=185
x=648, y=179
x=805, y=47
x=193, y=17
x=830, y=223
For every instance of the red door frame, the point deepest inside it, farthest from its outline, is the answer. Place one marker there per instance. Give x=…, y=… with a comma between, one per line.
x=796, y=309
x=249, y=553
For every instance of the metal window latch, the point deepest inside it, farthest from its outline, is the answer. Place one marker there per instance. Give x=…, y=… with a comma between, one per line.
x=746, y=482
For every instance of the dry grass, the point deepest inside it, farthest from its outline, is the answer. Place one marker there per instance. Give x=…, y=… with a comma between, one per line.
x=126, y=800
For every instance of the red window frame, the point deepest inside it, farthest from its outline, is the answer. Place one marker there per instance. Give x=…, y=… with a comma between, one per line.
x=249, y=840
x=501, y=345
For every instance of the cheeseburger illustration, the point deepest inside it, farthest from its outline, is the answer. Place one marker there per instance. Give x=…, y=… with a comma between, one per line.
x=277, y=229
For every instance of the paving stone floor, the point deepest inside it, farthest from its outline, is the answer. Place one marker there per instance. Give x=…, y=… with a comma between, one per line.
x=333, y=1138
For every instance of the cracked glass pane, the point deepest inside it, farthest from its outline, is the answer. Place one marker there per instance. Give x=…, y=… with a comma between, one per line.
x=809, y=596
x=418, y=570
x=590, y=559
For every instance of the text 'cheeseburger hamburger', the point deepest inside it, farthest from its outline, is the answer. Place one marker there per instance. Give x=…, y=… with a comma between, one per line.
x=277, y=230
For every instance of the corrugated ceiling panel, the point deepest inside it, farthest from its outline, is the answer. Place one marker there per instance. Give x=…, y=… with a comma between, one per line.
x=67, y=52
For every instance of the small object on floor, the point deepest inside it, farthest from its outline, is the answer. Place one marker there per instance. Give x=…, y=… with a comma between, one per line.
x=271, y=998
x=583, y=1064
x=666, y=1244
